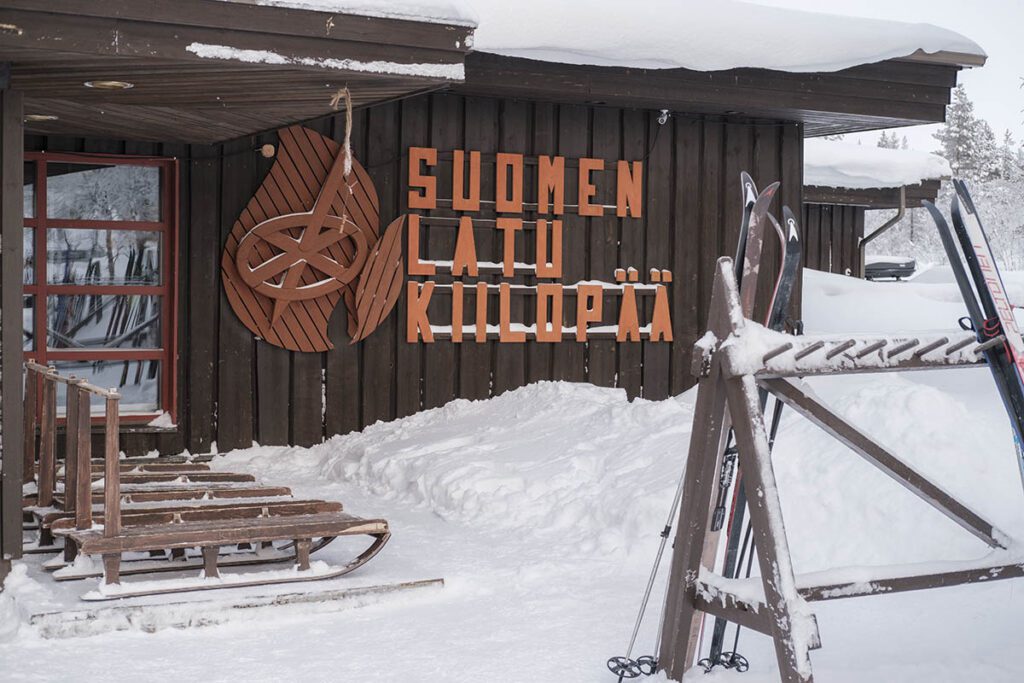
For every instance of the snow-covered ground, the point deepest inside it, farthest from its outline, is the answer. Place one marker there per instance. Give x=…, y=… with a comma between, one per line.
x=541, y=508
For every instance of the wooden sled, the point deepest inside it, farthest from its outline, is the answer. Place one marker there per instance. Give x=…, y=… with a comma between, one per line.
x=210, y=536
x=175, y=516
x=59, y=524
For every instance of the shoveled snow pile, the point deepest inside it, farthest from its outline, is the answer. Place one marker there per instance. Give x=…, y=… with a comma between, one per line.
x=828, y=163
x=534, y=461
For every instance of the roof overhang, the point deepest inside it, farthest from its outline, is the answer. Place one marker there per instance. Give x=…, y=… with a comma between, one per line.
x=887, y=94
x=961, y=59
x=207, y=71
x=873, y=198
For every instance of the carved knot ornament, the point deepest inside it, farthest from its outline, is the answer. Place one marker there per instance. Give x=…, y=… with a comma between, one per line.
x=308, y=237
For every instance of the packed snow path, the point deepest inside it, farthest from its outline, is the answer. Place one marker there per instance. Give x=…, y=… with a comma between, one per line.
x=541, y=509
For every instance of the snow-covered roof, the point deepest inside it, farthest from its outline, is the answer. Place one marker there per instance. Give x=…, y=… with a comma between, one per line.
x=702, y=35
x=456, y=12
x=841, y=164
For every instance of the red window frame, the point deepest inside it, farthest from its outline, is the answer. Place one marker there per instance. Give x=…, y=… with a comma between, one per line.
x=167, y=226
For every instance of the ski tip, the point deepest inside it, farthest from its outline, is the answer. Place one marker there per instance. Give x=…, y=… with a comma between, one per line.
x=937, y=217
x=748, y=187
x=767, y=194
x=792, y=225
x=963, y=195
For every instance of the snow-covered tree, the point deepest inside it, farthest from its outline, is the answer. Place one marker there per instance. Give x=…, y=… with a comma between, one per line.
x=960, y=136
x=1011, y=156
x=888, y=140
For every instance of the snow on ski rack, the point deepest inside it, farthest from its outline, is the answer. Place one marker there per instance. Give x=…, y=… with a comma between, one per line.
x=757, y=350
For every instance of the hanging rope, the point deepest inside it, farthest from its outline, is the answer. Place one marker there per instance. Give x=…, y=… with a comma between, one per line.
x=336, y=99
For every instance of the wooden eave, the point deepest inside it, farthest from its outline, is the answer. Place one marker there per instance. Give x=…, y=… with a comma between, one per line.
x=179, y=95
x=873, y=198
x=868, y=97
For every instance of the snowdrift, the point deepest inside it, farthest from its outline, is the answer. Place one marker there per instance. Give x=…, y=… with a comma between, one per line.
x=553, y=457
x=583, y=463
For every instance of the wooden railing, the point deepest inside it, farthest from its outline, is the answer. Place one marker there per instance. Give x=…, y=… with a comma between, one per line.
x=78, y=445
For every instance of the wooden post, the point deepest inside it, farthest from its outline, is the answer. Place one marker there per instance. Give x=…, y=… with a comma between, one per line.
x=48, y=441
x=83, y=463
x=70, y=444
x=28, y=473
x=210, y=553
x=111, y=568
x=680, y=619
x=11, y=305
x=111, y=470
x=769, y=533
x=302, y=548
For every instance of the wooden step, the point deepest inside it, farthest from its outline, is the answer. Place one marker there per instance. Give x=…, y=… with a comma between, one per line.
x=226, y=531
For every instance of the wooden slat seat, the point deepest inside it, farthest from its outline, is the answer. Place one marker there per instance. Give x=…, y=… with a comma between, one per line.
x=62, y=522
x=207, y=533
x=152, y=493
x=182, y=477
x=158, y=460
x=139, y=468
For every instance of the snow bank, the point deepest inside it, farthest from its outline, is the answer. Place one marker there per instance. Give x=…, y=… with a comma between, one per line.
x=838, y=164
x=16, y=585
x=699, y=35
x=553, y=458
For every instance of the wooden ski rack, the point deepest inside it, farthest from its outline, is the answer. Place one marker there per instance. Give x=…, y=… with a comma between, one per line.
x=163, y=509
x=734, y=362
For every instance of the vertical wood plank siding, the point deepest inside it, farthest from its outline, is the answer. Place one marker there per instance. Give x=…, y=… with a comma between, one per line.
x=236, y=389
x=833, y=231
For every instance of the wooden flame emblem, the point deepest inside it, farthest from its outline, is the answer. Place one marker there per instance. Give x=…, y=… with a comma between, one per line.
x=308, y=237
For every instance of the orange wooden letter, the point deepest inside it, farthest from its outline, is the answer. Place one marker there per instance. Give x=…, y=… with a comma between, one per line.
x=428, y=183
x=481, y=312
x=416, y=267
x=629, y=322
x=460, y=202
x=456, y=312
x=502, y=200
x=589, y=305
x=587, y=188
x=552, y=267
x=553, y=293
x=629, y=184
x=661, y=319
x=510, y=226
x=465, y=249
x=505, y=331
x=416, y=322
x=551, y=183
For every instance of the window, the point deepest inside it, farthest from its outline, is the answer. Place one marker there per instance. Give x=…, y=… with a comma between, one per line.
x=100, y=276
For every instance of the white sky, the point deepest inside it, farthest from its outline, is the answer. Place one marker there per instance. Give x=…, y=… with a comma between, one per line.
x=996, y=25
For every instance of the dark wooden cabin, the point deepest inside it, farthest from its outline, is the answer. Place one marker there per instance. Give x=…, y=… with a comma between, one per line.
x=834, y=216
x=195, y=117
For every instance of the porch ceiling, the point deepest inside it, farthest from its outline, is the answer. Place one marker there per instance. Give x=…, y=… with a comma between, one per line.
x=206, y=71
